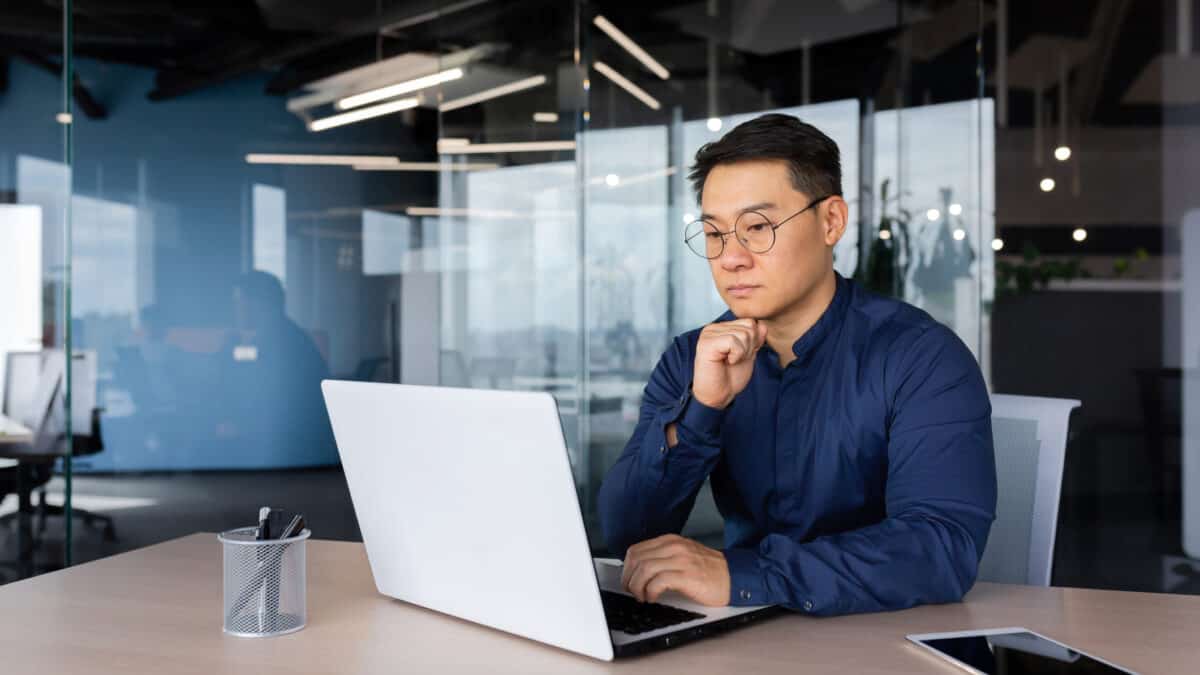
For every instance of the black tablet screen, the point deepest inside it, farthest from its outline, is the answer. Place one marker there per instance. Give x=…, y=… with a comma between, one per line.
x=1020, y=653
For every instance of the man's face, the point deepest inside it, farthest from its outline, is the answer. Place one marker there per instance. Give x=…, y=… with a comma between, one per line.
x=765, y=285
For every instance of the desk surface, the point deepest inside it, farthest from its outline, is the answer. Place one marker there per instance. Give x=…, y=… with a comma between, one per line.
x=158, y=610
x=13, y=433
x=13, y=438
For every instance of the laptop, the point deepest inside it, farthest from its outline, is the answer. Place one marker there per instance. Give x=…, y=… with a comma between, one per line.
x=467, y=506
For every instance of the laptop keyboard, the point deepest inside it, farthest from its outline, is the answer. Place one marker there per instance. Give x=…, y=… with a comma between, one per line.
x=626, y=614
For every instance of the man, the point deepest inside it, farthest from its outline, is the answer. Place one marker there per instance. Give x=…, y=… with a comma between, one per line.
x=848, y=436
x=270, y=386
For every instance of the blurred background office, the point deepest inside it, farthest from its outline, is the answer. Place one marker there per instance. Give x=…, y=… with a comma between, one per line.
x=216, y=205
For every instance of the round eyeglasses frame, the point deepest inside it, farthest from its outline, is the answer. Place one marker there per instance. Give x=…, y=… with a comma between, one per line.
x=699, y=237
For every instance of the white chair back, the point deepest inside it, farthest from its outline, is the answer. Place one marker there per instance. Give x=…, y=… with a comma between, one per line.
x=21, y=372
x=1030, y=435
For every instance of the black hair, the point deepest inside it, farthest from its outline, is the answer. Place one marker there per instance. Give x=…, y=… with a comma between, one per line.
x=261, y=287
x=812, y=156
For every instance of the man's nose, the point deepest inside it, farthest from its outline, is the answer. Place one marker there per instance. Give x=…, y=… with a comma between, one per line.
x=735, y=256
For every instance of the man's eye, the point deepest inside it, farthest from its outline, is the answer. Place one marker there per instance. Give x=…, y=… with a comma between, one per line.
x=757, y=227
x=713, y=235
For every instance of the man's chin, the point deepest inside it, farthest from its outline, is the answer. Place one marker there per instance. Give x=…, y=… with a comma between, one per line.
x=748, y=309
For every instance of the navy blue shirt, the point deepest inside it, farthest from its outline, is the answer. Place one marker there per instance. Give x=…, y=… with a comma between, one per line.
x=859, y=478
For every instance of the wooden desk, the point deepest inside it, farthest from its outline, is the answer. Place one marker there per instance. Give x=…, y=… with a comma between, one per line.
x=158, y=610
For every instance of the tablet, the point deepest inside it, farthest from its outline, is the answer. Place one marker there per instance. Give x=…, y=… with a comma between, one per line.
x=1013, y=651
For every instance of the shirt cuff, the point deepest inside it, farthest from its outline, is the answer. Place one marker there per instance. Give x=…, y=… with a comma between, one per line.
x=700, y=422
x=747, y=585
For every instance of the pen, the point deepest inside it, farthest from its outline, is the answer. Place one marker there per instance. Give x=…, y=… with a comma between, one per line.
x=296, y=526
x=264, y=524
x=263, y=533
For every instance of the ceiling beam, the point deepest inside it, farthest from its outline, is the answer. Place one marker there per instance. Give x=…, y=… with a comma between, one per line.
x=83, y=98
x=277, y=56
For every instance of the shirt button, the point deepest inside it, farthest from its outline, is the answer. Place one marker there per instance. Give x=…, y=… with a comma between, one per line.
x=662, y=449
x=745, y=594
x=808, y=606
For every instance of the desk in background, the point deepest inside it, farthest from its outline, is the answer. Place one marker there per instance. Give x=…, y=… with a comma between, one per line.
x=16, y=452
x=158, y=610
x=13, y=433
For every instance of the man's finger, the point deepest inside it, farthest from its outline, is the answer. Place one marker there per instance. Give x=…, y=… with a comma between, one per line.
x=642, y=551
x=663, y=582
x=737, y=348
x=647, y=571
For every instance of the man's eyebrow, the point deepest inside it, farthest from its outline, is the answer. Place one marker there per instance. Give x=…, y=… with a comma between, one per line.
x=761, y=206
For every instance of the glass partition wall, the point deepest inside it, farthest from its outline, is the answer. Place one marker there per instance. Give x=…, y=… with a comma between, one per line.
x=563, y=196
x=232, y=202
x=38, y=106
x=476, y=194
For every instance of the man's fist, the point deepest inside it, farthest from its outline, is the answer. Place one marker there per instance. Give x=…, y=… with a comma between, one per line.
x=725, y=360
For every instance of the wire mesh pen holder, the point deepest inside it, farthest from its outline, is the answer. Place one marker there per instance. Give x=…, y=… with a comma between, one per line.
x=264, y=584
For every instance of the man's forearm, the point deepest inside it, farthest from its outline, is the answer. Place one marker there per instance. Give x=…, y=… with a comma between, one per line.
x=897, y=563
x=653, y=485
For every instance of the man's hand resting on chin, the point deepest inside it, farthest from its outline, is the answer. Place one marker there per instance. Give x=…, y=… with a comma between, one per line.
x=675, y=563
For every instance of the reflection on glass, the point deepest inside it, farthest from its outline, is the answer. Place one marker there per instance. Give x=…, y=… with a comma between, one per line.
x=928, y=160
x=269, y=370
x=269, y=209
x=386, y=243
x=20, y=277
x=508, y=248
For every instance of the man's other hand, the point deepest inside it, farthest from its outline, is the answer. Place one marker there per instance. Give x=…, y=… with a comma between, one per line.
x=675, y=563
x=725, y=360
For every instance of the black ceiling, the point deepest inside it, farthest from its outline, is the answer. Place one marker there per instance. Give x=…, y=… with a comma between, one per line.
x=195, y=44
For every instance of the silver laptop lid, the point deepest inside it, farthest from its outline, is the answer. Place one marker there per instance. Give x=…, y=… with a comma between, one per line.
x=467, y=506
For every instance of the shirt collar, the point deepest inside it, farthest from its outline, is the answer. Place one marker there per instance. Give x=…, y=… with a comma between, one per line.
x=830, y=319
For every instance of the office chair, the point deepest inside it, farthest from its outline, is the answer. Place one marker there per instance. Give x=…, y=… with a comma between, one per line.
x=86, y=439
x=21, y=391
x=82, y=446
x=1030, y=440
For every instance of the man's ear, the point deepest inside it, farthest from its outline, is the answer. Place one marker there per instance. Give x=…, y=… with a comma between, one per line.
x=834, y=217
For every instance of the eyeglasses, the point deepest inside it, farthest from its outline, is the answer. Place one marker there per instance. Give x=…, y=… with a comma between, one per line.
x=754, y=230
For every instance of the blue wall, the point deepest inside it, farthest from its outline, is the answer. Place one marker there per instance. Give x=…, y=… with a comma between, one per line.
x=175, y=397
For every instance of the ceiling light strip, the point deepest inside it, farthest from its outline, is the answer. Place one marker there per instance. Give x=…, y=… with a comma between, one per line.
x=453, y=212
x=620, y=80
x=320, y=160
x=427, y=166
x=632, y=47
x=484, y=148
x=393, y=90
x=426, y=17
x=362, y=114
x=495, y=92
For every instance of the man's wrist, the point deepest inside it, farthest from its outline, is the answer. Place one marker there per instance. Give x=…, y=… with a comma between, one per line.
x=715, y=405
